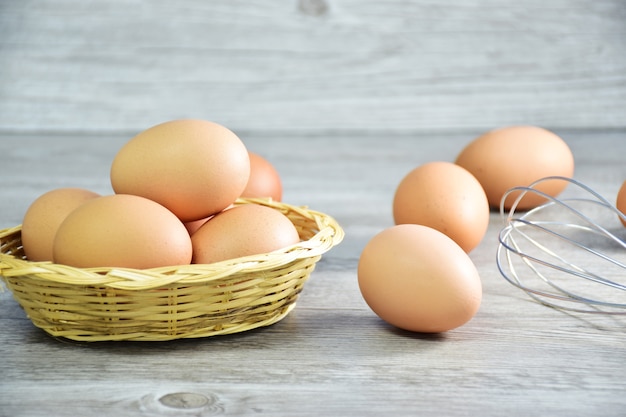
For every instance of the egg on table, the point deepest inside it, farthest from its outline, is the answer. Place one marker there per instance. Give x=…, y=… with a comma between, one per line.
x=446, y=197
x=620, y=202
x=418, y=279
x=516, y=156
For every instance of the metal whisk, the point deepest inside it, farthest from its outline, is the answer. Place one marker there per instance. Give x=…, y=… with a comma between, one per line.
x=568, y=253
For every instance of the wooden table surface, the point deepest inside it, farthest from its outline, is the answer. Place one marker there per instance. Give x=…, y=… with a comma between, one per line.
x=344, y=98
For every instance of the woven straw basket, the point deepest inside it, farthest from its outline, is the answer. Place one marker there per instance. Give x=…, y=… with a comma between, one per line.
x=189, y=301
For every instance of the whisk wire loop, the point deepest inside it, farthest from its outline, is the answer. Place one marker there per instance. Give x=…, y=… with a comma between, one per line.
x=533, y=250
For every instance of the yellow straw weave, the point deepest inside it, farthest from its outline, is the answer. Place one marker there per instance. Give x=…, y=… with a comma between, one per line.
x=188, y=301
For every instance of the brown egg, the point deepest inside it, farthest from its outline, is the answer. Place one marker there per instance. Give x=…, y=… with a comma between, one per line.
x=621, y=201
x=418, y=279
x=194, y=225
x=517, y=156
x=446, y=197
x=264, y=180
x=195, y=168
x=243, y=230
x=43, y=217
x=122, y=230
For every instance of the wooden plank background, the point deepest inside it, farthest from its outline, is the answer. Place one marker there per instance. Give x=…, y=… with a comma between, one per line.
x=332, y=355
x=344, y=97
x=310, y=65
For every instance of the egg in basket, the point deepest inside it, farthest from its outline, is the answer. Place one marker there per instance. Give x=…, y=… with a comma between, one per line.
x=196, y=258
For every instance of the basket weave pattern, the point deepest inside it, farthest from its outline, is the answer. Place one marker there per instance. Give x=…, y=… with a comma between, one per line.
x=188, y=301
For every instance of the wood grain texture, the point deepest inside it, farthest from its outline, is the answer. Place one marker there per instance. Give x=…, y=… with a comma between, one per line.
x=348, y=65
x=331, y=355
x=344, y=97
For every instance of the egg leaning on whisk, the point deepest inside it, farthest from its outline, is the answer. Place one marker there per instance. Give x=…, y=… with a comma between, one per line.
x=620, y=203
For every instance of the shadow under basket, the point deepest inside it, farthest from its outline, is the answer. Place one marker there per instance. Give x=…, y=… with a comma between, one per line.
x=187, y=301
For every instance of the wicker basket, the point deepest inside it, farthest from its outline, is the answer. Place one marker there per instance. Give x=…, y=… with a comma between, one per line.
x=190, y=301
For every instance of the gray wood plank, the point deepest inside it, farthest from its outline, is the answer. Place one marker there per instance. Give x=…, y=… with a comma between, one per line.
x=331, y=355
x=360, y=65
x=344, y=97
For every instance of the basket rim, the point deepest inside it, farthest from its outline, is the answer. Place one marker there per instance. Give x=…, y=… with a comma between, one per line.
x=329, y=234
